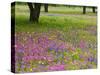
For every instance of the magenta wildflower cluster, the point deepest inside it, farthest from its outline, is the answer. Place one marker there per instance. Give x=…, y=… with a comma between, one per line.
x=39, y=52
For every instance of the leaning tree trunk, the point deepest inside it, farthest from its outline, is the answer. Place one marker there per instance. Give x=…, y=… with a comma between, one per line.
x=93, y=9
x=84, y=9
x=34, y=12
x=46, y=7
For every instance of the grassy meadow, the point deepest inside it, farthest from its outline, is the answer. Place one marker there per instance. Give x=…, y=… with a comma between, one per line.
x=67, y=37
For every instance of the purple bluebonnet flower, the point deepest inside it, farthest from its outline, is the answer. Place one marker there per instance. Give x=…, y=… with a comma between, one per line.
x=51, y=48
x=91, y=59
x=22, y=66
x=57, y=67
x=21, y=51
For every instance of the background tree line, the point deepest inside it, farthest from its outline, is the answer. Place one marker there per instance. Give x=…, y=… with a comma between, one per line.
x=36, y=7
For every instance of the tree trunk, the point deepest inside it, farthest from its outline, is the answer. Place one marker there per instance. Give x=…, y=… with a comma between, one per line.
x=34, y=12
x=84, y=9
x=46, y=7
x=93, y=9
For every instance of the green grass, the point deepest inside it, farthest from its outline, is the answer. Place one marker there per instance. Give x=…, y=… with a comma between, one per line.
x=53, y=22
x=72, y=27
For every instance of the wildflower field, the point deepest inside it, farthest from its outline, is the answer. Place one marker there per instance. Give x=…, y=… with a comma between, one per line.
x=56, y=43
